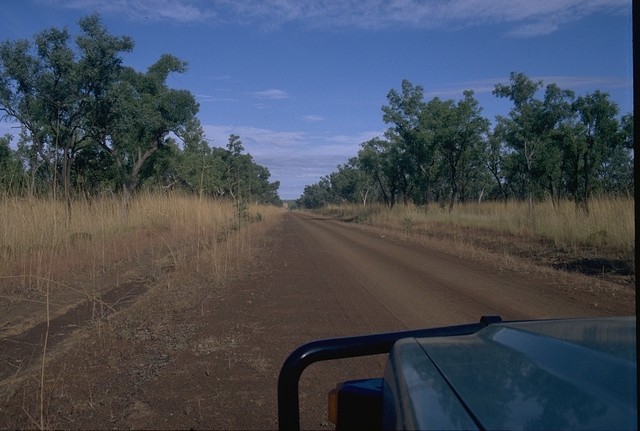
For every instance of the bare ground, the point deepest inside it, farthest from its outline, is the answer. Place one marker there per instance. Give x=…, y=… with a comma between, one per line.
x=171, y=347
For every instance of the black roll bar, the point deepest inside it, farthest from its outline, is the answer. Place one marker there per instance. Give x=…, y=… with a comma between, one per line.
x=348, y=347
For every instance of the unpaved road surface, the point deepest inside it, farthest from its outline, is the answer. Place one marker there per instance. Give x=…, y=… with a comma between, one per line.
x=311, y=278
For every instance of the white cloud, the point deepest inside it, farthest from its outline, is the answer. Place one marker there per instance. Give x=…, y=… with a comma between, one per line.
x=539, y=28
x=527, y=17
x=271, y=94
x=155, y=10
x=455, y=91
x=565, y=82
x=577, y=82
x=207, y=98
x=255, y=138
x=313, y=118
x=355, y=140
x=294, y=158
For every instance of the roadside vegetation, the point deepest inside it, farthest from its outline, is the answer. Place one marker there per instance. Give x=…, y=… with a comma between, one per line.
x=129, y=285
x=608, y=226
x=551, y=146
x=32, y=227
x=600, y=242
x=110, y=167
x=90, y=126
x=45, y=258
x=557, y=169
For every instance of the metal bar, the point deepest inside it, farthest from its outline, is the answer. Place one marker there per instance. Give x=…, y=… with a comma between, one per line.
x=347, y=347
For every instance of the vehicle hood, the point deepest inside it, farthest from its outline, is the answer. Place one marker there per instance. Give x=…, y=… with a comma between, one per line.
x=557, y=374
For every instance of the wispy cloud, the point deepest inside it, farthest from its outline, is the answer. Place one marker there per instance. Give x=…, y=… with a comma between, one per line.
x=356, y=139
x=271, y=94
x=257, y=139
x=453, y=91
x=566, y=82
x=294, y=158
x=527, y=18
x=578, y=82
x=313, y=118
x=207, y=98
x=181, y=11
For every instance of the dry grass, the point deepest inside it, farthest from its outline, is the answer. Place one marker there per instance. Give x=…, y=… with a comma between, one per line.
x=40, y=252
x=34, y=225
x=168, y=245
x=609, y=226
x=36, y=228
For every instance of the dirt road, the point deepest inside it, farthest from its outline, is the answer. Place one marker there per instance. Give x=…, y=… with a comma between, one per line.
x=311, y=278
x=383, y=283
x=319, y=278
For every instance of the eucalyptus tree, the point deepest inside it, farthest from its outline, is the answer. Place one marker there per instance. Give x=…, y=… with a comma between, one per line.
x=528, y=134
x=262, y=190
x=91, y=119
x=245, y=179
x=351, y=184
x=94, y=172
x=38, y=88
x=415, y=148
x=520, y=130
x=554, y=119
x=11, y=170
x=144, y=111
x=457, y=132
x=59, y=100
x=38, y=173
x=19, y=99
x=237, y=167
x=600, y=138
x=161, y=171
x=493, y=158
x=618, y=172
x=384, y=161
x=316, y=195
x=200, y=170
x=465, y=158
x=50, y=89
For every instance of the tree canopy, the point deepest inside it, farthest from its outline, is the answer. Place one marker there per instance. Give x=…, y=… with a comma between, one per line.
x=551, y=144
x=90, y=124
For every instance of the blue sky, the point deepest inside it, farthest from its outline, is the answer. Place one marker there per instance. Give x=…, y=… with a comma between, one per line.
x=303, y=81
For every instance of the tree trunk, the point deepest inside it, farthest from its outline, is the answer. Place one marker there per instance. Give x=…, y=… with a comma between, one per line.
x=130, y=180
x=586, y=176
x=66, y=180
x=126, y=198
x=454, y=187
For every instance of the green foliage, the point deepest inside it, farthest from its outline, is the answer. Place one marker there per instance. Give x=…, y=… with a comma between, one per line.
x=528, y=133
x=211, y=171
x=91, y=125
x=443, y=151
x=316, y=195
x=11, y=173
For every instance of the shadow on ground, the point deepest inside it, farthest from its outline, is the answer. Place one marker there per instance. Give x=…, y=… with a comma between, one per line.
x=597, y=266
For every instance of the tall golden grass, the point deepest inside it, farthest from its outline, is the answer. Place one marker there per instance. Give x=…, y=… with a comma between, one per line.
x=37, y=244
x=50, y=263
x=609, y=225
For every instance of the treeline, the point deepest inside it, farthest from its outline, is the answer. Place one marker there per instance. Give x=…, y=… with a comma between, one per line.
x=551, y=145
x=90, y=125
